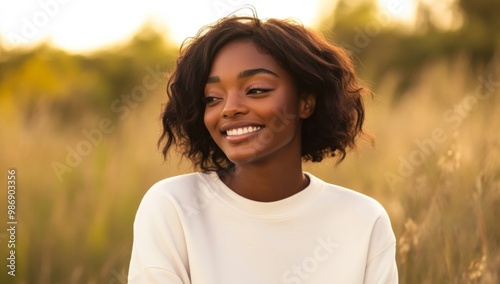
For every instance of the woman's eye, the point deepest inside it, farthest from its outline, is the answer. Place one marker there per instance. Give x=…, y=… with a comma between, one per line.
x=211, y=100
x=257, y=91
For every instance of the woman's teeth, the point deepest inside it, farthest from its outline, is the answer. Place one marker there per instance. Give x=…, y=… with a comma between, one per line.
x=242, y=130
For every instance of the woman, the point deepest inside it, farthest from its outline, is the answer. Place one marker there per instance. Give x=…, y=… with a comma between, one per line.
x=248, y=102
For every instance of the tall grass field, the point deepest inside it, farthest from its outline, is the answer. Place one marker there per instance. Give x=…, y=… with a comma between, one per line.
x=435, y=167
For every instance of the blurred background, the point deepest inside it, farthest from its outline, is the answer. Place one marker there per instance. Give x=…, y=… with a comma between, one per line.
x=82, y=85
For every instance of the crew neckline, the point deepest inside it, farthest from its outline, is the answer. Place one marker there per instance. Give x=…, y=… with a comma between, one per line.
x=264, y=210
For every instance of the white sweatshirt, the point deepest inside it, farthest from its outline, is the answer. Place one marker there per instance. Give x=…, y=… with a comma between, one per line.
x=194, y=229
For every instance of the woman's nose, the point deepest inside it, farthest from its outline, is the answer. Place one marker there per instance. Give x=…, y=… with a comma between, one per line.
x=234, y=105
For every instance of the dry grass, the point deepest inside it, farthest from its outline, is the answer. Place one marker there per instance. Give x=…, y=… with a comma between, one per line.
x=445, y=213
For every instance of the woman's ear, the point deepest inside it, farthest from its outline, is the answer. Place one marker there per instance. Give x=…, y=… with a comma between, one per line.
x=307, y=105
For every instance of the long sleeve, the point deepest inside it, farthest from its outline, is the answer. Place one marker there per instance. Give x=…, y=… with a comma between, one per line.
x=159, y=253
x=381, y=264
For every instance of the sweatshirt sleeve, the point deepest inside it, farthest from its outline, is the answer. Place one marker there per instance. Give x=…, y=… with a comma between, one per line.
x=381, y=263
x=159, y=253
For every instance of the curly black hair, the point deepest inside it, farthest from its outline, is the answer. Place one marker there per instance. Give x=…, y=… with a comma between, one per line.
x=316, y=66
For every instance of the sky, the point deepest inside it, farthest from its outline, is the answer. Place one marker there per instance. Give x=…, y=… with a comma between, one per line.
x=86, y=25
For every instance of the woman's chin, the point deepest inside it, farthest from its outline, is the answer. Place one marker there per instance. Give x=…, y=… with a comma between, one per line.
x=242, y=156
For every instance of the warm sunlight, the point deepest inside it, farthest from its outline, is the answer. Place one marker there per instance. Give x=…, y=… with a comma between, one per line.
x=94, y=193
x=87, y=25
x=403, y=10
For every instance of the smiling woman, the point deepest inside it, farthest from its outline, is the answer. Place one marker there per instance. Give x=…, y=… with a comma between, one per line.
x=249, y=101
x=244, y=91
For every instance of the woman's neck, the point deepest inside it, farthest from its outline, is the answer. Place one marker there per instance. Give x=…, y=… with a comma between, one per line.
x=266, y=183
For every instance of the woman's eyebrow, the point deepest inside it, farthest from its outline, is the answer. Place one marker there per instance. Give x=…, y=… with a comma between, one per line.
x=244, y=74
x=251, y=72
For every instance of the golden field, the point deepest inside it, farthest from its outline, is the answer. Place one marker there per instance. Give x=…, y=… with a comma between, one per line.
x=444, y=201
x=81, y=132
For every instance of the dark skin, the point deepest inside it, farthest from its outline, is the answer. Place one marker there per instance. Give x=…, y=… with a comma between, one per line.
x=254, y=114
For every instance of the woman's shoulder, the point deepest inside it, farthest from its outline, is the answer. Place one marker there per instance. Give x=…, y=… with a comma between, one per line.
x=181, y=189
x=177, y=180
x=173, y=194
x=350, y=199
x=175, y=185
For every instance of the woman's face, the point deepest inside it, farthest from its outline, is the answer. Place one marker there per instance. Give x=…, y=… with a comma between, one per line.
x=253, y=110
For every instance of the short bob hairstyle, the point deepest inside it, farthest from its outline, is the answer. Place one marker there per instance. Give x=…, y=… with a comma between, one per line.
x=316, y=66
